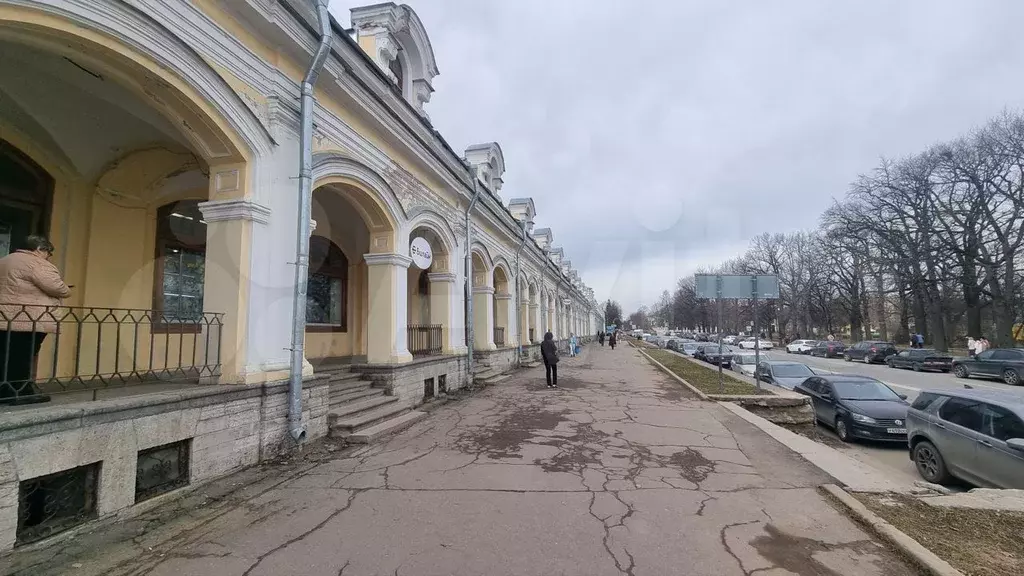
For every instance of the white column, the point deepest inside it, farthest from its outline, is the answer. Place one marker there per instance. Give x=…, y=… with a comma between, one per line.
x=388, y=307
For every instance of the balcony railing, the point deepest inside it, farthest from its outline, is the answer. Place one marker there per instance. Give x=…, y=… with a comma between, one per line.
x=424, y=340
x=46, y=350
x=499, y=336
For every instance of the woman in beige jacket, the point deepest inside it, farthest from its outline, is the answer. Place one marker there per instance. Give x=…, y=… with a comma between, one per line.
x=30, y=290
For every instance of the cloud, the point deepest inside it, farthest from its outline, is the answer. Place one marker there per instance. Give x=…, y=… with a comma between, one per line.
x=661, y=136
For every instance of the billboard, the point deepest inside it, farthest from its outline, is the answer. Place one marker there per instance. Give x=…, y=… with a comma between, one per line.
x=737, y=286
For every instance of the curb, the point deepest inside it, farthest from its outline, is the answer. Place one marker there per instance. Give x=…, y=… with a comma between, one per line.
x=689, y=386
x=920, y=555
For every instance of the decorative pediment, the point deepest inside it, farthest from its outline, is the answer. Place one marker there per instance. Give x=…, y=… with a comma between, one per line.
x=395, y=38
x=489, y=164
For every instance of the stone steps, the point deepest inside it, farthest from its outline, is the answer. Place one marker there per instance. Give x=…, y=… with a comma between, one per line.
x=389, y=426
x=367, y=415
x=354, y=394
x=362, y=405
x=492, y=379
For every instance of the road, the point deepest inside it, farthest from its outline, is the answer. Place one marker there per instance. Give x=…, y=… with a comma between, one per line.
x=617, y=472
x=904, y=381
x=892, y=458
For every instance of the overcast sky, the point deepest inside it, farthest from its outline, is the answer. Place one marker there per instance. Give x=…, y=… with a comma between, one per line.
x=658, y=136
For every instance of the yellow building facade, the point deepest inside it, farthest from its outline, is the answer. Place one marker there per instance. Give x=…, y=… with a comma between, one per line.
x=156, y=144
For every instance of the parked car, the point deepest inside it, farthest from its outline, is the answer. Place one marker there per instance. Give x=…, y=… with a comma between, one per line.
x=688, y=348
x=827, y=349
x=709, y=353
x=800, y=346
x=752, y=343
x=868, y=351
x=783, y=373
x=731, y=339
x=745, y=362
x=974, y=435
x=1004, y=363
x=857, y=407
x=919, y=359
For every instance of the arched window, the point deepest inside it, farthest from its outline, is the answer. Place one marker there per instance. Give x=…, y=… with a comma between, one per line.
x=327, y=293
x=180, y=268
x=25, y=194
x=396, y=69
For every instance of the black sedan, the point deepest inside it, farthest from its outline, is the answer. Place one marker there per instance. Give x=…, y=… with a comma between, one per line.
x=918, y=359
x=857, y=407
x=1006, y=364
x=828, y=349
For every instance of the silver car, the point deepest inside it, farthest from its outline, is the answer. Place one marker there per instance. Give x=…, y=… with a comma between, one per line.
x=971, y=434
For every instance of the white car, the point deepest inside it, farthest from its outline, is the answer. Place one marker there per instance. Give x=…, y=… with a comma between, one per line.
x=751, y=343
x=744, y=362
x=729, y=340
x=800, y=346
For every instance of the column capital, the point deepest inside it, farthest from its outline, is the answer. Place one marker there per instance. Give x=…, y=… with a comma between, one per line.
x=441, y=277
x=502, y=296
x=534, y=306
x=234, y=209
x=483, y=290
x=387, y=259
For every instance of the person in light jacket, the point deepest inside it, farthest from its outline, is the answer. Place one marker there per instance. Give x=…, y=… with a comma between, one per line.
x=572, y=345
x=549, y=352
x=30, y=290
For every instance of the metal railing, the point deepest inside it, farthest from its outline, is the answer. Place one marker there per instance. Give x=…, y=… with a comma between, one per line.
x=499, y=336
x=48, y=350
x=424, y=340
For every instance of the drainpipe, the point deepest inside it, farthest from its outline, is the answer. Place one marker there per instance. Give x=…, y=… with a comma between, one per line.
x=519, y=305
x=295, y=424
x=469, y=276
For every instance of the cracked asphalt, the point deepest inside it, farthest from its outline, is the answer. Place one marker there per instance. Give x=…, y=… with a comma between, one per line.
x=617, y=472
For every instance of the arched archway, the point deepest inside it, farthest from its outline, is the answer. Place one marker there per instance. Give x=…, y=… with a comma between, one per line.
x=483, y=298
x=355, y=210
x=533, y=327
x=86, y=96
x=430, y=318
x=502, y=304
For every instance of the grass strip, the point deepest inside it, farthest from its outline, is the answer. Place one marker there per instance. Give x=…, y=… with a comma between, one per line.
x=703, y=378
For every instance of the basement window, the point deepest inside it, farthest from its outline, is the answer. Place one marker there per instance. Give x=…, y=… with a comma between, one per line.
x=442, y=384
x=428, y=388
x=162, y=469
x=51, y=504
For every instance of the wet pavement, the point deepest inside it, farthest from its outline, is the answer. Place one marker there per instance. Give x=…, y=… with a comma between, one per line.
x=617, y=472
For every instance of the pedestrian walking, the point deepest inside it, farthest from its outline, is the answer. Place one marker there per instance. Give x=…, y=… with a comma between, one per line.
x=971, y=347
x=549, y=352
x=611, y=340
x=30, y=288
x=572, y=345
x=600, y=337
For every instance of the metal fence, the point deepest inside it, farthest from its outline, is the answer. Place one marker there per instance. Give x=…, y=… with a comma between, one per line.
x=424, y=340
x=48, y=350
x=499, y=336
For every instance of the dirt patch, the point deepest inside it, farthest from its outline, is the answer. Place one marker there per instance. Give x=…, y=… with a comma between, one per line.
x=816, y=433
x=976, y=542
x=694, y=465
x=704, y=379
x=574, y=454
x=795, y=554
x=505, y=439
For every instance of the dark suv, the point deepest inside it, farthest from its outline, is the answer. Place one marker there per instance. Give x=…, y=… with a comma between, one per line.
x=870, y=351
x=1004, y=363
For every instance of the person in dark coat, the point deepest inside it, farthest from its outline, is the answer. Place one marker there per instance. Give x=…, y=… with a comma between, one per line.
x=549, y=352
x=600, y=337
x=611, y=340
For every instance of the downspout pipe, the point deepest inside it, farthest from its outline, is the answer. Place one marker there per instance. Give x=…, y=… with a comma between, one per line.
x=469, y=275
x=519, y=292
x=296, y=427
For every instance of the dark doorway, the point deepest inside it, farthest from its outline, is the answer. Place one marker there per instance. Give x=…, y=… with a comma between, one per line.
x=26, y=193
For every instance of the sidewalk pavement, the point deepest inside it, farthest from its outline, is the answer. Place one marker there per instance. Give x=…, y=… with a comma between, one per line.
x=617, y=472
